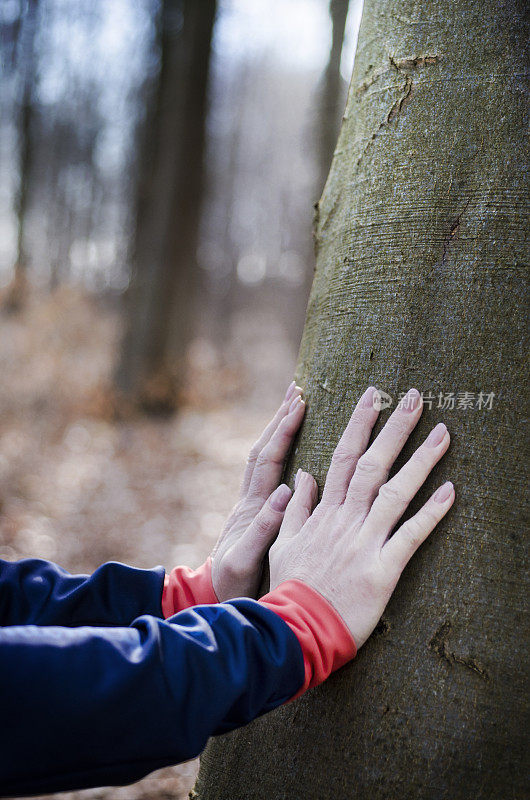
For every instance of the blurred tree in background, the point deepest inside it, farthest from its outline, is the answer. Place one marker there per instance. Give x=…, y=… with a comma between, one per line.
x=24, y=59
x=161, y=151
x=161, y=293
x=333, y=90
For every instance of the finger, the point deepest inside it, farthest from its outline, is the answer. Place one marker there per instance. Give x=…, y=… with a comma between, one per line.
x=395, y=495
x=269, y=463
x=374, y=465
x=351, y=446
x=265, y=526
x=396, y=553
x=297, y=478
x=292, y=392
x=300, y=506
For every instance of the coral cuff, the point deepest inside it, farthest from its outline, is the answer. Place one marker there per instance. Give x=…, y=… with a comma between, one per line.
x=326, y=642
x=185, y=587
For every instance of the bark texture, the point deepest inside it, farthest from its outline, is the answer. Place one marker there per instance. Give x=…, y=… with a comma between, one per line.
x=420, y=281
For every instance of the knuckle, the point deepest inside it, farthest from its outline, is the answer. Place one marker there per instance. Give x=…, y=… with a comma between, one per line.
x=263, y=524
x=269, y=455
x=249, y=508
x=306, y=506
x=430, y=519
x=423, y=457
x=368, y=466
x=282, y=438
x=370, y=580
x=372, y=575
x=262, y=458
x=285, y=424
x=398, y=426
x=413, y=530
x=342, y=457
x=284, y=432
x=259, y=489
x=392, y=494
x=234, y=567
x=254, y=453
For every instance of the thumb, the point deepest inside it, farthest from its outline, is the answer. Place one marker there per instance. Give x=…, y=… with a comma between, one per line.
x=265, y=526
x=302, y=505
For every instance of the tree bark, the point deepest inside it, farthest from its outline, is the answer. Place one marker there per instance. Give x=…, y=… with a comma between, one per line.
x=420, y=281
x=160, y=297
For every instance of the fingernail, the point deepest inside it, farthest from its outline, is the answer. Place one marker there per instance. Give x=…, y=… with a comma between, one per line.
x=280, y=497
x=367, y=400
x=296, y=402
x=297, y=478
x=289, y=391
x=436, y=435
x=411, y=400
x=444, y=492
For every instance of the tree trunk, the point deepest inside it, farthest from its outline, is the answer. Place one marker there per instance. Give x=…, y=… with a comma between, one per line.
x=420, y=281
x=160, y=298
x=26, y=64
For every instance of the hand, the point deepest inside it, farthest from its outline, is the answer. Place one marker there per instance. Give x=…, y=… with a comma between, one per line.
x=342, y=547
x=237, y=558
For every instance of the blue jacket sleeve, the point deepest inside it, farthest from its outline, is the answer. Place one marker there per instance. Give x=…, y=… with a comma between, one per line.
x=37, y=592
x=92, y=706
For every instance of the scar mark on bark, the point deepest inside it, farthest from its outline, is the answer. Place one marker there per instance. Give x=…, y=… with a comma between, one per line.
x=405, y=65
x=296, y=713
x=382, y=627
x=401, y=65
x=413, y=63
x=439, y=645
x=453, y=230
x=324, y=384
x=399, y=105
x=314, y=230
x=397, y=108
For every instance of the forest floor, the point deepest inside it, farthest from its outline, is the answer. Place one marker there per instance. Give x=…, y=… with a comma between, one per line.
x=80, y=488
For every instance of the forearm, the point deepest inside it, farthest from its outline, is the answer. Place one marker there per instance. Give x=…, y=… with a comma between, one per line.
x=95, y=706
x=37, y=592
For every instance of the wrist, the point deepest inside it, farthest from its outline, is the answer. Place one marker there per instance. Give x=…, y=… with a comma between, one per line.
x=185, y=587
x=324, y=638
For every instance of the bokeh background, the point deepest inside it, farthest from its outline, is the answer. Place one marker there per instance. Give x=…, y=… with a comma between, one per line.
x=159, y=162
